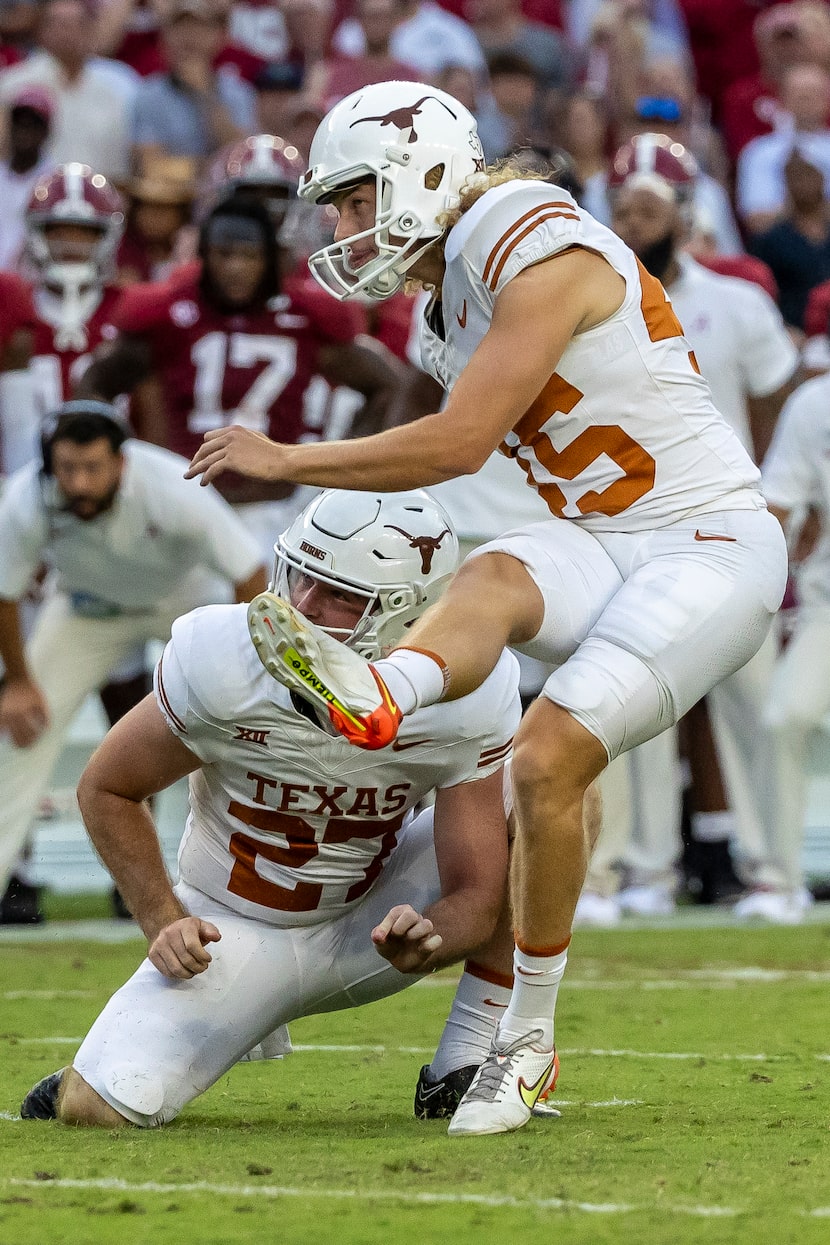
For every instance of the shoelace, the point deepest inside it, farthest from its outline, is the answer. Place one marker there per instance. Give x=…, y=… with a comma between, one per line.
x=497, y=1067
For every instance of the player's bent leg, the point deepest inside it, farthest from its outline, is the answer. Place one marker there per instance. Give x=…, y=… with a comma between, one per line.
x=497, y=591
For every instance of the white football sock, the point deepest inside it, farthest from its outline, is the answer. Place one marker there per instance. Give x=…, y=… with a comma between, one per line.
x=478, y=1005
x=713, y=827
x=414, y=678
x=533, y=1001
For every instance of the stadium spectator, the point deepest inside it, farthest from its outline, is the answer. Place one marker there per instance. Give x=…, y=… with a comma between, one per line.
x=127, y=539
x=18, y=24
x=279, y=88
x=514, y=90
x=580, y=123
x=502, y=29
x=91, y=122
x=159, y=201
x=797, y=247
x=362, y=900
x=29, y=118
x=760, y=176
x=786, y=35
x=192, y=109
x=331, y=79
x=426, y=36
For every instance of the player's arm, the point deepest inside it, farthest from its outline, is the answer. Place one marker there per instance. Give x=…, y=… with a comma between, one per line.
x=117, y=367
x=471, y=847
x=764, y=410
x=534, y=318
x=139, y=757
x=369, y=368
x=24, y=712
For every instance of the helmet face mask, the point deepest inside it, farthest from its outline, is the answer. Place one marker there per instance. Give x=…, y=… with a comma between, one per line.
x=419, y=145
x=396, y=551
x=74, y=195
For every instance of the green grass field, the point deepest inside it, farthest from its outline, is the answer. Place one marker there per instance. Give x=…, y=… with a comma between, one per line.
x=694, y=1088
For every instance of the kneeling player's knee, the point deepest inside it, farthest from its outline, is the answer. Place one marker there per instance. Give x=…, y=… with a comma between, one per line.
x=78, y=1103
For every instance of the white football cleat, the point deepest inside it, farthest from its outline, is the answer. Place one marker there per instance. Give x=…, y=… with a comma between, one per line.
x=647, y=901
x=774, y=907
x=598, y=911
x=506, y=1088
x=308, y=661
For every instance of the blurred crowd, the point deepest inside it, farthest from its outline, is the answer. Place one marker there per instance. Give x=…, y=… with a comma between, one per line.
x=698, y=129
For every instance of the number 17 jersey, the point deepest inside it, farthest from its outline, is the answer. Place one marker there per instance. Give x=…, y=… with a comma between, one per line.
x=624, y=435
x=249, y=367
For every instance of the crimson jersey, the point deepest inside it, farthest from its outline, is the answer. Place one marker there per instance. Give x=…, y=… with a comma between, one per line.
x=16, y=309
x=61, y=356
x=251, y=367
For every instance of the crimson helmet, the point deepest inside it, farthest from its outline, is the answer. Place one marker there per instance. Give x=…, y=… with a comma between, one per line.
x=655, y=162
x=74, y=195
x=263, y=160
x=262, y=166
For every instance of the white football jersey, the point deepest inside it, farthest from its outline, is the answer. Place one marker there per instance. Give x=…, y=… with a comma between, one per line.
x=624, y=436
x=287, y=824
x=739, y=338
x=796, y=475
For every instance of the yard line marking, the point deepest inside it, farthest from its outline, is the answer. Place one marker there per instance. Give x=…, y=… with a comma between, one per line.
x=575, y=1052
x=50, y=994
x=682, y=979
x=379, y=1195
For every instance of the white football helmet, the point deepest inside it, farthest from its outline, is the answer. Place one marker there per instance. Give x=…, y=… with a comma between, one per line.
x=420, y=145
x=398, y=550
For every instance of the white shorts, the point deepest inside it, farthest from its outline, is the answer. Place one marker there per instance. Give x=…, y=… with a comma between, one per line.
x=642, y=624
x=159, y=1043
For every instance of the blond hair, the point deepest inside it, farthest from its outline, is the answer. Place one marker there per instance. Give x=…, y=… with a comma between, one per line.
x=476, y=185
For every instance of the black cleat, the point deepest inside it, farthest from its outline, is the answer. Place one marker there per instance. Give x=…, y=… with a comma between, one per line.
x=20, y=905
x=41, y=1102
x=437, y=1100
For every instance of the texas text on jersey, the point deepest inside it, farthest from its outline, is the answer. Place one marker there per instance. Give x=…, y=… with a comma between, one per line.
x=300, y=849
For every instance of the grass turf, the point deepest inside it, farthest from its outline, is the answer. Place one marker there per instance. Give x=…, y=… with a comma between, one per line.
x=323, y=1146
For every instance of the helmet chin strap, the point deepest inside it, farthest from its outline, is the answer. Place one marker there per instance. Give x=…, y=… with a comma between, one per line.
x=77, y=298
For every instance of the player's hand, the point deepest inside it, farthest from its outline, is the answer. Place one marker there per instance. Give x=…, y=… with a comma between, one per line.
x=178, y=950
x=23, y=712
x=407, y=940
x=235, y=449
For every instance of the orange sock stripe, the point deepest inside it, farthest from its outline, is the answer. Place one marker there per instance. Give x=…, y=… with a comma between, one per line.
x=439, y=661
x=542, y=952
x=489, y=975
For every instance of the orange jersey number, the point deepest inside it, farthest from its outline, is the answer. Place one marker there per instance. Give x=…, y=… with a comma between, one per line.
x=300, y=847
x=560, y=397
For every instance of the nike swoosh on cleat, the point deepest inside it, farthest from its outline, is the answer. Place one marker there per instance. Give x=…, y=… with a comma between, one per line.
x=530, y=1094
x=699, y=536
x=399, y=745
x=424, y=1094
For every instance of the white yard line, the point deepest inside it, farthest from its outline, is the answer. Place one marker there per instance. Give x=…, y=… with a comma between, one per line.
x=50, y=994
x=571, y=1052
x=377, y=1195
